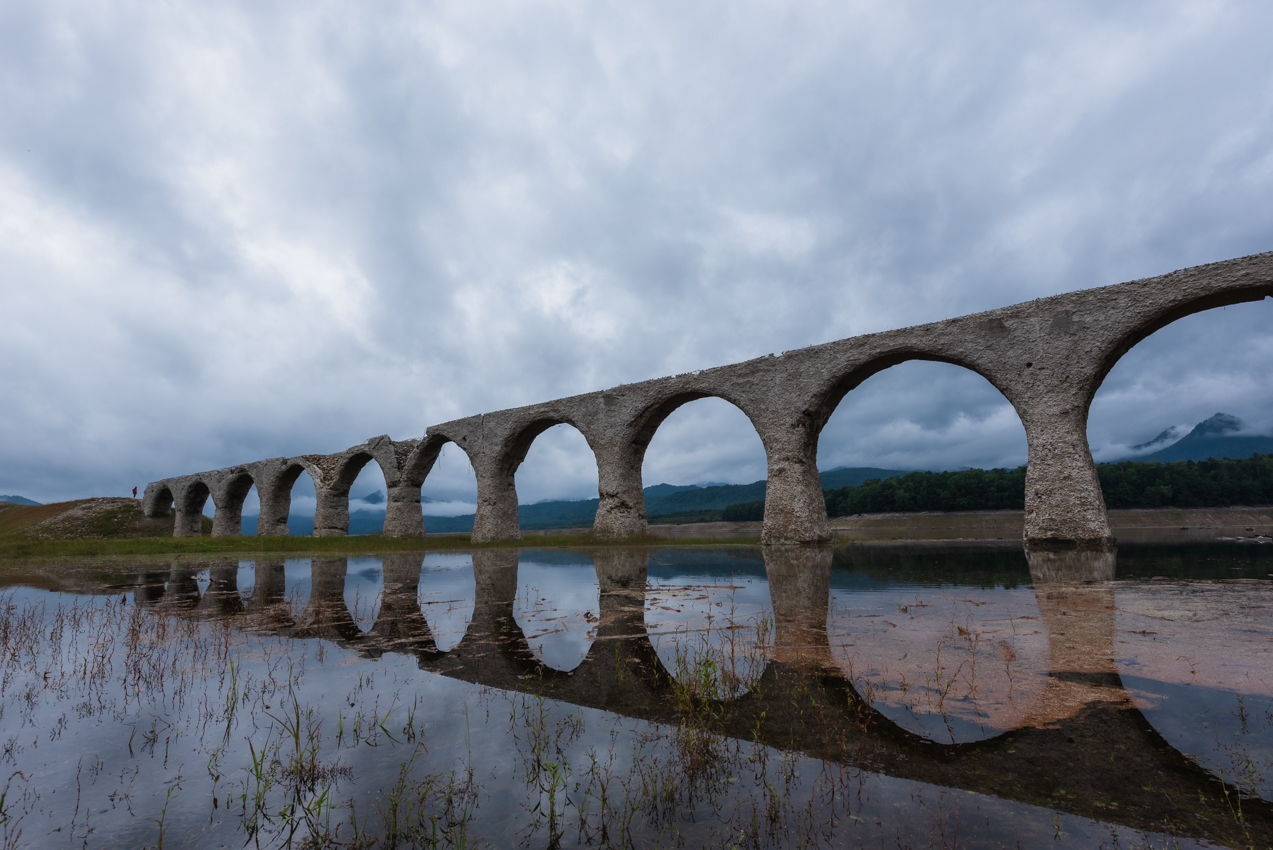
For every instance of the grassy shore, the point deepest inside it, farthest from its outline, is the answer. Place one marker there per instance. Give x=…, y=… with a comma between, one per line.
x=334, y=546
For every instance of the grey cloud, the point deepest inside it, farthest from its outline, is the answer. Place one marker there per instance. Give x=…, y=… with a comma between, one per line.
x=242, y=230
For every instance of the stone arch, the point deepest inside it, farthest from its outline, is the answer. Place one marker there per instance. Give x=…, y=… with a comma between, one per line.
x=651, y=417
x=559, y=458
x=228, y=500
x=621, y=512
x=828, y=398
x=496, y=469
x=795, y=509
x=414, y=468
x=419, y=462
x=158, y=500
x=1160, y=318
x=512, y=452
x=1137, y=315
x=350, y=465
x=334, y=496
x=190, y=501
x=275, y=491
x=832, y=398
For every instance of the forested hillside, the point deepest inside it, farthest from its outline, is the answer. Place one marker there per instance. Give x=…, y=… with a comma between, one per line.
x=1127, y=484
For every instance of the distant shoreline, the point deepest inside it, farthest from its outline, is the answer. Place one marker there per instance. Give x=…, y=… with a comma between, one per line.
x=1151, y=525
x=1163, y=525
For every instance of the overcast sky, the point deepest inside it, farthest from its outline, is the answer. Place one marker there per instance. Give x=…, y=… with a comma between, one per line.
x=234, y=231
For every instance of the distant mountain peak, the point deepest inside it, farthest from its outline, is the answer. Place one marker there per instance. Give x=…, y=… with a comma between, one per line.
x=1217, y=426
x=1218, y=437
x=17, y=500
x=1166, y=438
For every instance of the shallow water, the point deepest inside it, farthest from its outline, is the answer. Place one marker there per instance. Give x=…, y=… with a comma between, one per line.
x=733, y=697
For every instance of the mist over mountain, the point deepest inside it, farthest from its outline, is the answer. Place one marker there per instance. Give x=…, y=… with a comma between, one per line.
x=1221, y=436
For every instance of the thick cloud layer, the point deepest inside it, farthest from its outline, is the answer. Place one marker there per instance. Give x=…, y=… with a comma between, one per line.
x=239, y=230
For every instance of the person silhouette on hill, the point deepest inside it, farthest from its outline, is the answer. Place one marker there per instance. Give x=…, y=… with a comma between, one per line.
x=134, y=492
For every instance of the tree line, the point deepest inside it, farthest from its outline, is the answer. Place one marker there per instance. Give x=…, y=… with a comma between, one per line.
x=1127, y=484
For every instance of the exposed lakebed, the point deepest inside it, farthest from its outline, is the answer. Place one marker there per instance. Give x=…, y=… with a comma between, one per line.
x=734, y=697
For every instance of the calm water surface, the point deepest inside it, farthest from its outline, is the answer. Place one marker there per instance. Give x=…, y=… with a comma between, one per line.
x=731, y=697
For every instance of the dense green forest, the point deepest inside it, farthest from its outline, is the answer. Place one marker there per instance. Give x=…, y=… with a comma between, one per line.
x=1127, y=484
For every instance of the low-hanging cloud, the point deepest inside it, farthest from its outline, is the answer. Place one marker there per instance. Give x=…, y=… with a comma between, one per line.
x=231, y=231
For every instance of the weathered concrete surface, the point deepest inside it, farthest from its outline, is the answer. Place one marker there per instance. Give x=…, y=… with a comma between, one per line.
x=1048, y=357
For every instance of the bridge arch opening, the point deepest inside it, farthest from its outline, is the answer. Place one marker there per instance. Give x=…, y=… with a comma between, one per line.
x=553, y=467
x=162, y=503
x=699, y=454
x=366, y=493
x=1191, y=385
x=300, y=502
x=249, y=523
x=448, y=484
x=910, y=413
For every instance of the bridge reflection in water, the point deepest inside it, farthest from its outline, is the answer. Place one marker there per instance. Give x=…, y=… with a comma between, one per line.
x=1028, y=707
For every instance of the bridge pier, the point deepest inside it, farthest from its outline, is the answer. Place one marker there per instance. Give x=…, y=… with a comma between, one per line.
x=331, y=513
x=1064, y=508
x=496, y=517
x=621, y=512
x=188, y=522
x=795, y=509
x=402, y=511
x=276, y=504
x=228, y=520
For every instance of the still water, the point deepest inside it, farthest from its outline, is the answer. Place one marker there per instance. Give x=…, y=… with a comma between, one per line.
x=732, y=697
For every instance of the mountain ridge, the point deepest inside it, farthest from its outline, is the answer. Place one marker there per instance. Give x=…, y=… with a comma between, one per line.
x=1214, y=437
x=18, y=500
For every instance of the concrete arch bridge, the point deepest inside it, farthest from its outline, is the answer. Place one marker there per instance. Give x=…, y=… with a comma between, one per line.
x=1048, y=357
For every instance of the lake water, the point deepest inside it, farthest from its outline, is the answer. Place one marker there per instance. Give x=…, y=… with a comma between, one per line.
x=730, y=697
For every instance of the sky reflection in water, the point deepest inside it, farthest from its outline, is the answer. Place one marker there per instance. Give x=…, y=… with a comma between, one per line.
x=911, y=696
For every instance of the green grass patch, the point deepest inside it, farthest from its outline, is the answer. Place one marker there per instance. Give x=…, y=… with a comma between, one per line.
x=360, y=545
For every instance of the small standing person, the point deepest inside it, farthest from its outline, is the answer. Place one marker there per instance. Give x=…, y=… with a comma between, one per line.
x=134, y=492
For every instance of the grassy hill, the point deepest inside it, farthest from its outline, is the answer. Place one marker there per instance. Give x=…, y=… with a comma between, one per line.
x=84, y=519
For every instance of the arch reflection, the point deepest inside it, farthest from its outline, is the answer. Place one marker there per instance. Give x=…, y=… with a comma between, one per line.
x=801, y=699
